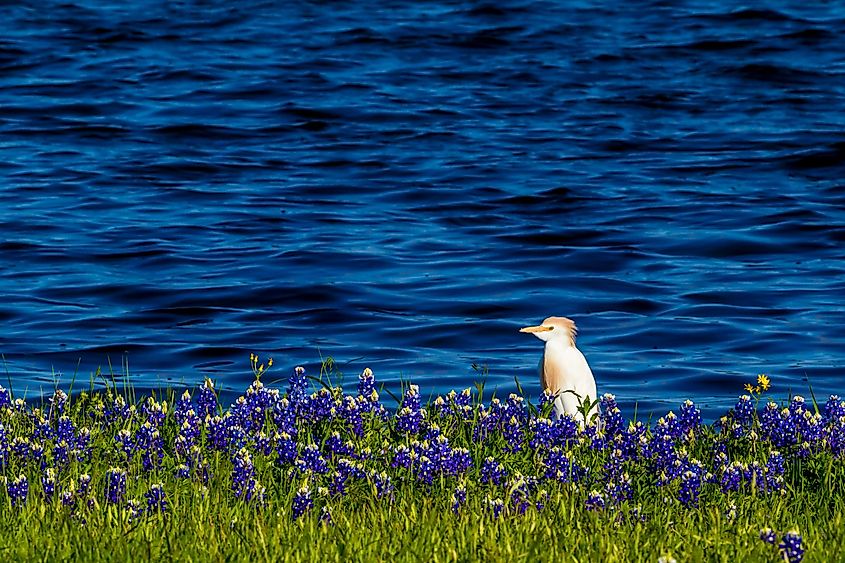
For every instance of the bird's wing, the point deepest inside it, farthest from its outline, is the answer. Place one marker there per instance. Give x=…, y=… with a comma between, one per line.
x=540, y=371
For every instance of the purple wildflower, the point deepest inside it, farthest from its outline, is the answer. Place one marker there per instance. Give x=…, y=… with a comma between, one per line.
x=459, y=498
x=595, y=501
x=156, y=499
x=115, y=485
x=302, y=502
x=18, y=490
x=207, y=399
x=768, y=535
x=790, y=546
x=492, y=471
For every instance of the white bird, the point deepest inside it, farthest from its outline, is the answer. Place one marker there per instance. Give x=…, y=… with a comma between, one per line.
x=564, y=371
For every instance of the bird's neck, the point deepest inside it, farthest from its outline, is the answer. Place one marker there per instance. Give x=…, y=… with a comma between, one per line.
x=558, y=345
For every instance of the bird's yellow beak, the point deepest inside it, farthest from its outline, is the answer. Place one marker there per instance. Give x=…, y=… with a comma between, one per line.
x=539, y=328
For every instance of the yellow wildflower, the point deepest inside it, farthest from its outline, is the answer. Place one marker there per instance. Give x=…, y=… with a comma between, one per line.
x=763, y=381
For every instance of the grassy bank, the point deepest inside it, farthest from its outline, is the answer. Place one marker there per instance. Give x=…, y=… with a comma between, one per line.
x=307, y=472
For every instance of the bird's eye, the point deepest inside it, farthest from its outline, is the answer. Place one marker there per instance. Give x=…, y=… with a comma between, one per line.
x=551, y=328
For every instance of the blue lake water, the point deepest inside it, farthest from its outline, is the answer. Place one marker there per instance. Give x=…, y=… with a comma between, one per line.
x=404, y=185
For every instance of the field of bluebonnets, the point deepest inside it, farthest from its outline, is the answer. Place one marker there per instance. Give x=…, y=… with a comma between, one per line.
x=316, y=471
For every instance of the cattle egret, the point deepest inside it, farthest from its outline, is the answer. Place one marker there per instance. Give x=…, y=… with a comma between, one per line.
x=563, y=369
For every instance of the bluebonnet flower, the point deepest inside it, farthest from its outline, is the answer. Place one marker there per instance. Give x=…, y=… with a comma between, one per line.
x=183, y=471
x=519, y=502
x=18, y=490
x=611, y=415
x=774, y=471
x=83, y=483
x=68, y=499
x=115, y=485
x=425, y=470
x=207, y=399
x=567, y=430
x=264, y=443
x=48, y=482
x=768, y=535
x=733, y=476
x=668, y=425
x=5, y=398
x=313, y=460
x=496, y=506
x=595, y=501
x=515, y=407
x=441, y=406
x=547, y=399
x=249, y=411
x=730, y=512
x=790, y=546
x=43, y=430
x=218, y=433
x=156, y=499
x=464, y=399
x=512, y=432
x=459, y=498
x=368, y=397
x=183, y=405
x=297, y=386
x=244, y=484
x=778, y=426
x=124, y=439
x=690, y=418
x=619, y=489
x=834, y=408
x=302, y=502
x=401, y=457
x=58, y=402
x=744, y=410
x=492, y=471
x=135, y=510
x=319, y=406
x=458, y=462
x=189, y=432
x=37, y=453
x=118, y=410
x=410, y=414
x=346, y=469
x=335, y=446
x=559, y=467
x=65, y=429
x=4, y=447
x=543, y=433
x=285, y=449
x=352, y=414
x=383, y=485
x=484, y=425
x=797, y=406
x=81, y=446
x=521, y=487
x=148, y=439
x=690, y=488
x=154, y=412
x=326, y=515
x=284, y=416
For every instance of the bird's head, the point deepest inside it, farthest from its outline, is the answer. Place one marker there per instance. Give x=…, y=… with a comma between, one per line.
x=554, y=328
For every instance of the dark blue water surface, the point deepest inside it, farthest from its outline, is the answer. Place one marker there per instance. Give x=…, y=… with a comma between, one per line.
x=404, y=185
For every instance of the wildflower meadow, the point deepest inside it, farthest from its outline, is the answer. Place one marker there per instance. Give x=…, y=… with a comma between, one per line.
x=313, y=471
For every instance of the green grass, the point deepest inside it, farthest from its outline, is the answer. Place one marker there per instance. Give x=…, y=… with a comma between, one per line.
x=207, y=522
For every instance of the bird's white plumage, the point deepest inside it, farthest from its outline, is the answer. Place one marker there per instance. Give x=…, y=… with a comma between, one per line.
x=563, y=369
